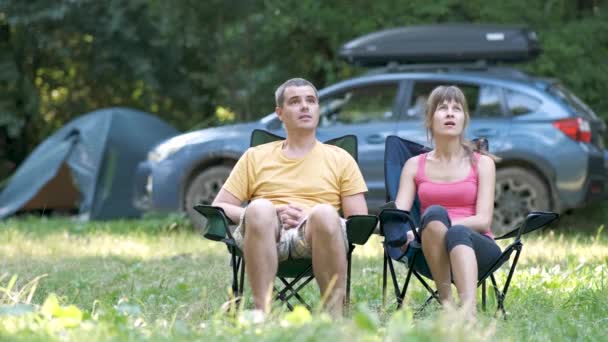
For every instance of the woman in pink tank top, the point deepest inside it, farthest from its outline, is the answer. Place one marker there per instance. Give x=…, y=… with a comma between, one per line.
x=455, y=186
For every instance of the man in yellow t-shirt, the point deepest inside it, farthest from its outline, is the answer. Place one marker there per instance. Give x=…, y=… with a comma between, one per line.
x=295, y=188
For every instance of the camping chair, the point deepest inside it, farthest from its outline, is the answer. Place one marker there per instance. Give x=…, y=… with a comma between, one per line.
x=293, y=273
x=397, y=152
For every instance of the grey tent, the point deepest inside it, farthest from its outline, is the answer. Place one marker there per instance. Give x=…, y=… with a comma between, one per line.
x=88, y=164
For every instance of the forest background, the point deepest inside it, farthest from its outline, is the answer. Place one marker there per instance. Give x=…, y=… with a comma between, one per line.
x=203, y=63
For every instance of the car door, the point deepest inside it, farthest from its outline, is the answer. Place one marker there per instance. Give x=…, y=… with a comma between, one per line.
x=488, y=117
x=368, y=111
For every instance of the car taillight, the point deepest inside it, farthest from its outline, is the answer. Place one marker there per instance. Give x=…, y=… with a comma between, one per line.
x=577, y=129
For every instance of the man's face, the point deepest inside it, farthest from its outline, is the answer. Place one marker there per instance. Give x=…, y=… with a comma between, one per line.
x=300, y=108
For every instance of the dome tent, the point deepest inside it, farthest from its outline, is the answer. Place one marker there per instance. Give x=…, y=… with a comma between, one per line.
x=100, y=151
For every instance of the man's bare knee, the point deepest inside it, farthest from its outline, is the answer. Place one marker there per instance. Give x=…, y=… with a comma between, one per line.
x=324, y=219
x=323, y=212
x=260, y=217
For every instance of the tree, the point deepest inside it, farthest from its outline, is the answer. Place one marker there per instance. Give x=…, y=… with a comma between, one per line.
x=200, y=63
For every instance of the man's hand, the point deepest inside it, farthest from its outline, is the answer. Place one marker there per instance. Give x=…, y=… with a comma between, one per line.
x=291, y=215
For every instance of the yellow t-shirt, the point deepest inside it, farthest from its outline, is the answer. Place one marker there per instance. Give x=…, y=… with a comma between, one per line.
x=322, y=176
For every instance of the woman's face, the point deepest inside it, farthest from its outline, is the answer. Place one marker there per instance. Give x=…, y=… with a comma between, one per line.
x=448, y=119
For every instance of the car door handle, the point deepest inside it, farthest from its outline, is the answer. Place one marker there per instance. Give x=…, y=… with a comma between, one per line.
x=484, y=132
x=375, y=139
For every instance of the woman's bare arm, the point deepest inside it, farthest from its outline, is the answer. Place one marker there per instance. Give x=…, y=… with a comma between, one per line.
x=407, y=186
x=482, y=220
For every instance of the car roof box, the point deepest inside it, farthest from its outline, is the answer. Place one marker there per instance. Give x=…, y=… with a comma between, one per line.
x=444, y=43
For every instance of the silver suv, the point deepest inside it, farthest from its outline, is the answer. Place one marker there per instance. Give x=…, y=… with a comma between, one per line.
x=550, y=142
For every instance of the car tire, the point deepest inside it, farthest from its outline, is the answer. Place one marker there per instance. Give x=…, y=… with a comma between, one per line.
x=202, y=190
x=518, y=191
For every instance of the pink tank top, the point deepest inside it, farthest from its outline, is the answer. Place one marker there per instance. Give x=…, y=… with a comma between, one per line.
x=459, y=198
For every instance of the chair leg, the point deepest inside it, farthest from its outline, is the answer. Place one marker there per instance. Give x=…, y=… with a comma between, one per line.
x=396, y=289
x=281, y=296
x=410, y=270
x=512, y=270
x=235, y=279
x=483, y=295
x=349, y=258
x=384, y=274
x=289, y=286
x=500, y=296
x=241, y=290
x=236, y=262
x=434, y=295
x=294, y=293
x=401, y=292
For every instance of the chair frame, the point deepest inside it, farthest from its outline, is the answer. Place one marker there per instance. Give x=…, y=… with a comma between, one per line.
x=533, y=221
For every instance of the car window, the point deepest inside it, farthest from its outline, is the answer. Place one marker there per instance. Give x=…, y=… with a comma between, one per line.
x=572, y=101
x=422, y=89
x=489, y=103
x=483, y=100
x=370, y=103
x=520, y=103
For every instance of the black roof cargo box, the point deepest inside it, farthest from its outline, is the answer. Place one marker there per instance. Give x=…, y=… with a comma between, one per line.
x=443, y=43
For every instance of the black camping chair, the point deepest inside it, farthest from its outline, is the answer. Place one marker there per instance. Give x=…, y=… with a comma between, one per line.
x=397, y=152
x=293, y=273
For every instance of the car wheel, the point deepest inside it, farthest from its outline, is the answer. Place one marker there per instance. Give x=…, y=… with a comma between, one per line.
x=202, y=190
x=518, y=191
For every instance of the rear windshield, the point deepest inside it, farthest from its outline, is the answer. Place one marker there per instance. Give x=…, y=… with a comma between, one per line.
x=568, y=97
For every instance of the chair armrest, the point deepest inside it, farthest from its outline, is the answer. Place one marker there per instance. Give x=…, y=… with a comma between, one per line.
x=388, y=205
x=535, y=220
x=217, y=227
x=360, y=227
x=398, y=215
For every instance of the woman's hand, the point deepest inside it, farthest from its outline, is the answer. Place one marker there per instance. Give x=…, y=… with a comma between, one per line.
x=410, y=238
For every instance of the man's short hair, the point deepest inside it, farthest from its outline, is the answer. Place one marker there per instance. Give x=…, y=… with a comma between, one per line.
x=279, y=94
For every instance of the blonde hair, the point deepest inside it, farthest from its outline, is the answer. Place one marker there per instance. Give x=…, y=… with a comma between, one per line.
x=452, y=93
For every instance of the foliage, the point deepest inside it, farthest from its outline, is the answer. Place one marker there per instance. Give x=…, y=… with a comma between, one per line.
x=192, y=61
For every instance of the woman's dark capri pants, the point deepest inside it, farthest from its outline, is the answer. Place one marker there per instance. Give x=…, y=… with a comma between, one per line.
x=486, y=250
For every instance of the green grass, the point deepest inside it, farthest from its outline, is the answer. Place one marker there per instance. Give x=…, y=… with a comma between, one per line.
x=156, y=279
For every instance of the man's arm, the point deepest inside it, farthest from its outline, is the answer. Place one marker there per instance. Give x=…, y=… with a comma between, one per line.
x=230, y=204
x=354, y=205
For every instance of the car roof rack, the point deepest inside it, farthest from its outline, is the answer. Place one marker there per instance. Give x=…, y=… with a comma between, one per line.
x=443, y=43
x=480, y=66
